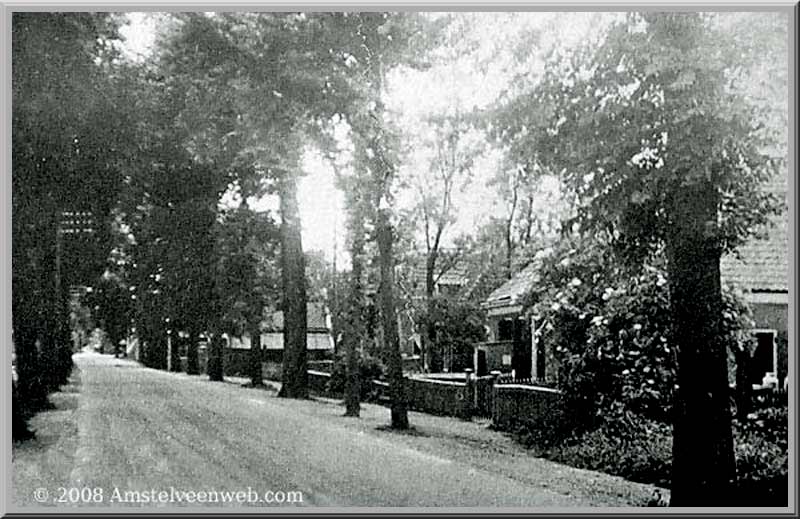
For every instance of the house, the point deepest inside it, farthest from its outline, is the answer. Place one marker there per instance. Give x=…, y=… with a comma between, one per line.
x=411, y=288
x=319, y=339
x=761, y=272
x=511, y=344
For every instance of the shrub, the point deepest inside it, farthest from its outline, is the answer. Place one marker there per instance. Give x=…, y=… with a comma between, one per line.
x=607, y=329
x=625, y=444
x=639, y=449
x=457, y=325
x=370, y=368
x=762, y=464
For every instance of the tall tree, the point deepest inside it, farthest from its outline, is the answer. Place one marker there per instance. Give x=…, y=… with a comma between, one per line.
x=247, y=275
x=70, y=132
x=448, y=172
x=386, y=40
x=665, y=154
x=355, y=330
x=281, y=76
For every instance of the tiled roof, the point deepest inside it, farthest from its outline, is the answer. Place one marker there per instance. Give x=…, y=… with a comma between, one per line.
x=509, y=292
x=763, y=263
x=762, y=266
x=316, y=315
x=453, y=276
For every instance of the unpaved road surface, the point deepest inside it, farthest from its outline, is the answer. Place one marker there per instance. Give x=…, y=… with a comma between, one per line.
x=125, y=435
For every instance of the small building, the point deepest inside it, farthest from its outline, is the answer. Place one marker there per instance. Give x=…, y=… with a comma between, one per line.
x=511, y=345
x=760, y=269
x=319, y=339
x=411, y=285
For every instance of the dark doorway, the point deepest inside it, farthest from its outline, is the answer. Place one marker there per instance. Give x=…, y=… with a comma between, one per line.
x=505, y=330
x=763, y=357
x=541, y=371
x=481, y=368
x=521, y=353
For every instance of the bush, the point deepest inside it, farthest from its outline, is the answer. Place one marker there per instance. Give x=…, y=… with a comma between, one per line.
x=762, y=462
x=607, y=331
x=370, y=368
x=639, y=449
x=458, y=325
x=625, y=444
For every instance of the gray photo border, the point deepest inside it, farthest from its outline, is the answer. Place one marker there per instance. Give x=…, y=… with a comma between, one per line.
x=9, y=6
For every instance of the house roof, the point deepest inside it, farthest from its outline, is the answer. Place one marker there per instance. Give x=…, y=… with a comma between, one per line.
x=316, y=314
x=511, y=291
x=763, y=262
x=452, y=276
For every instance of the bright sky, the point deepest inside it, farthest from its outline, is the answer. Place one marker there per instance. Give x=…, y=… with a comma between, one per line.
x=412, y=96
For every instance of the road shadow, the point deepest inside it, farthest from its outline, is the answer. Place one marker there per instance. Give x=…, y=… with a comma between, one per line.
x=411, y=431
x=51, y=424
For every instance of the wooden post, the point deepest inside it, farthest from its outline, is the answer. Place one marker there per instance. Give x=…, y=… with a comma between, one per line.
x=469, y=396
x=169, y=350
x=534, y=351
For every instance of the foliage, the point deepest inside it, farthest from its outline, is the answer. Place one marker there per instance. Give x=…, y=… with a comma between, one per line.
x=666, y=157
x=625, y=444
x=246, y=275
x=607, y=329
x=457, y=326
x=762, y=461
x=369, y=369
x=110, y=302
x=621, y=121
x=639, y=449
x=70, y=133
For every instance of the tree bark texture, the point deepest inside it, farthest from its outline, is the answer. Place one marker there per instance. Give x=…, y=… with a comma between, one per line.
x=192, y=361
x=216, y=359
x=255, y=366
x=293, y=274
x=435, y=361
x=355, y=326
x=391, y=339
x=703, y=467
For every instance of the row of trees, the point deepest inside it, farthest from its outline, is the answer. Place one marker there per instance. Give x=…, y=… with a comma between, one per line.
x=227, y=103
x=69, y=134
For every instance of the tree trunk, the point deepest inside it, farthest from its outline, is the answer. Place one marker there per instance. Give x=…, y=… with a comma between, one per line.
x=255, y=365
x=27, y=312
x=509, y=249
x=391, y=340
x=192, y=364
x=355, y=328
x=175, y=352
x=743, y=387
x=703, y=469
x=216, y=362
x=434, y=354
x=293, y=274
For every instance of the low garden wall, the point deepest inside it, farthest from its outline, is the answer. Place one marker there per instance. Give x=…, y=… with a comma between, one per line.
x=516, y=404
x=445, y=398
x=237, y=362
x=318, y=383
x=507, y=405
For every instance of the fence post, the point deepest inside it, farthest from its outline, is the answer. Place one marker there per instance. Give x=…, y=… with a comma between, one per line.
x=469, y=396
x=495, y=378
